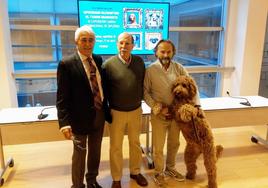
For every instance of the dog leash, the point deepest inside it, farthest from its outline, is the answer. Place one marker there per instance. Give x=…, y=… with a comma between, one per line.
x=195, y=130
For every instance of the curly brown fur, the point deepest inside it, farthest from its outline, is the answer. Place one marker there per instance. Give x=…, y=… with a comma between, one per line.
x=195, y=129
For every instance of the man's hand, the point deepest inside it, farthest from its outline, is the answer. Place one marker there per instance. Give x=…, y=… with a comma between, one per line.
x=166, y=113
x=67, y=133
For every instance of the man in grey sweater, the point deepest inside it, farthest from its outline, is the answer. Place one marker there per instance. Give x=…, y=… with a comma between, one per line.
x=125, y=75
x=158, y=81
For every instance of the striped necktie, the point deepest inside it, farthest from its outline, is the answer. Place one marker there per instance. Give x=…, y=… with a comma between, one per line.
x=94, y=85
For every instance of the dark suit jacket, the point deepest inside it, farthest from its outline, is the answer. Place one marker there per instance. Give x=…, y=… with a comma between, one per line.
x=75, y=103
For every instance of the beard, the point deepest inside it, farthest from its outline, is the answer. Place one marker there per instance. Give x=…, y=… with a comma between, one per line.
x=165, y=61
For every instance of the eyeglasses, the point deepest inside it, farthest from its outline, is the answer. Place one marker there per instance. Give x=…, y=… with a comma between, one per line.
x=90, y=40
x=77, y=143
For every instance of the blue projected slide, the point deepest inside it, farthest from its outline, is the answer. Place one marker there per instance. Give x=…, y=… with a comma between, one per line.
x=147, y=22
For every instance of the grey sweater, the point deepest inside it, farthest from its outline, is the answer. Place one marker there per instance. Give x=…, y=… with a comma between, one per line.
x=158, y=83
x=124, y=83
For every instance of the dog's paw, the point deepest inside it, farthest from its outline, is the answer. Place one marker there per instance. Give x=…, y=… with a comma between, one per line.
x=219, y=151
x=187, y=112
x=212, y=185
x=190, y=176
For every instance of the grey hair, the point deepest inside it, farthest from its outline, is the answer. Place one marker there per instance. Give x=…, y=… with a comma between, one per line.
x=125, y=33
x=84, y=28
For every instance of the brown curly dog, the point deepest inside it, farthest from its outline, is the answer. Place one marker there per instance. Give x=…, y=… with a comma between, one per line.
x=195, y=129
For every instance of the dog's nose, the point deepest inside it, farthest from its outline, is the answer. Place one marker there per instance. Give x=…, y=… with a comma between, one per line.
x=177, y=92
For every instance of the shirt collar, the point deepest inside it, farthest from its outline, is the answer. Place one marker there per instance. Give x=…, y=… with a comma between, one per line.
x=125, y=62
x=83, y=57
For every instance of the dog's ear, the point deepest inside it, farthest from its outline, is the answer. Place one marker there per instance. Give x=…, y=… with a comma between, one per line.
x=174, y=85
x=192, y=86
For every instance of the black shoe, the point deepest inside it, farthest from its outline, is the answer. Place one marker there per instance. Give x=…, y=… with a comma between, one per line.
x=94, y=185
x=140, y=179
x=116, y=184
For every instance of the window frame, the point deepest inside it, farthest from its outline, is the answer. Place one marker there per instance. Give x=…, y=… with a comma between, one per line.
x=55, y=28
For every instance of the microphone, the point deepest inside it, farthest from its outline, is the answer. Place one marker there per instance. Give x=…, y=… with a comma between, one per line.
x=43, y=116
x=246, y=103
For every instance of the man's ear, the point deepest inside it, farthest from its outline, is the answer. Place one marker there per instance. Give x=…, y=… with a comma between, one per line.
x=133, y=45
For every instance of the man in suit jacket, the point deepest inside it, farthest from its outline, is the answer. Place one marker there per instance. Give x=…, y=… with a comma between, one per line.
x=79, y=119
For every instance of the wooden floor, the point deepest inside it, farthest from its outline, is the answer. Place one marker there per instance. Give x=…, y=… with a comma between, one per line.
x=47, y=165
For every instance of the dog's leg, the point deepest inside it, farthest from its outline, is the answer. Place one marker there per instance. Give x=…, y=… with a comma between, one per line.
x=191, y=154
x=209, y=154
x=219, y=150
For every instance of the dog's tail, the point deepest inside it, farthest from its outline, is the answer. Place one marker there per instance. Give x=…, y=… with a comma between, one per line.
x=219, y=150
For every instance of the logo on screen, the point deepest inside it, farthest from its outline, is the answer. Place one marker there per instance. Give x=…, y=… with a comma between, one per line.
x=132, y=17
x=137, y=36
x=153, y=19
x=151, y=39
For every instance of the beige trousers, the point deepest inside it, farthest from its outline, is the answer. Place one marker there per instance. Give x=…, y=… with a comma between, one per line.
x=160, y=130
x=132, y=122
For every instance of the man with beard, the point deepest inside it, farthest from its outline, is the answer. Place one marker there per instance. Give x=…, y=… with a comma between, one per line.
x=158, y=81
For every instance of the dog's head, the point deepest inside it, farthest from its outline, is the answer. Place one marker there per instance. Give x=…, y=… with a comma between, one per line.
x=184, y=88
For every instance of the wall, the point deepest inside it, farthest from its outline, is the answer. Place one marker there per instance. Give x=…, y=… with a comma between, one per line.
x=245, y=33
x=263, y=88
x=8, y=94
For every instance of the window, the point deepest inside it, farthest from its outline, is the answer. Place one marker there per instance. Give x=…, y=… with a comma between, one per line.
x=43, y=33
x=36, y=92
x=196, y=27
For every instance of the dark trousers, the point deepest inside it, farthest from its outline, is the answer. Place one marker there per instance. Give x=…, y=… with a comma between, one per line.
x=89, y=146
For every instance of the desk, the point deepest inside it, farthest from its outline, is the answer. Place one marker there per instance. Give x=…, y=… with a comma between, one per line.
x=21, y=126
x=228, y=112
x=19, y=121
